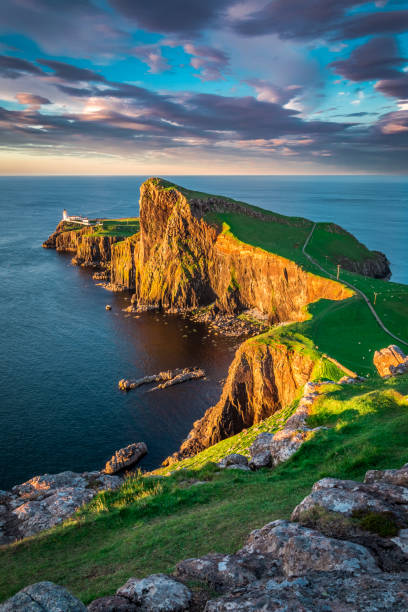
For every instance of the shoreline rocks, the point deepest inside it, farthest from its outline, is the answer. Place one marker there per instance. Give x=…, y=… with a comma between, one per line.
x=170, y=377
x=390, y=361
x=125, y=458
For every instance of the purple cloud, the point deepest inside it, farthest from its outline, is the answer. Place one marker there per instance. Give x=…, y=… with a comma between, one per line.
x=14, y=67
x=376, y=59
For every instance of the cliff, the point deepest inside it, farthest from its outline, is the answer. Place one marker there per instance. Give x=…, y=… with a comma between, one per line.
x=90, y=248
x=262, y=379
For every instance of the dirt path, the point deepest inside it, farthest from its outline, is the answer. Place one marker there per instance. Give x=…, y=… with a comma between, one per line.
x=363, y=295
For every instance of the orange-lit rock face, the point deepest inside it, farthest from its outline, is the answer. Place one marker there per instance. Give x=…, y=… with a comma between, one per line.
x=184, y=263
x=387, y=359
x=261, y=380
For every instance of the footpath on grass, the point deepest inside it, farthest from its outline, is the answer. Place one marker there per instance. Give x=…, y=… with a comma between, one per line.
x=361, y=293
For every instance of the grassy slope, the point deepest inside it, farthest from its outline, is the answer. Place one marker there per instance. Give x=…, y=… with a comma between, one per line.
x=110, y=227
x=152, y=523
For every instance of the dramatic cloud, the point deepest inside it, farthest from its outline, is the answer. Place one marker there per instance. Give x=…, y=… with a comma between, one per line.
x=68, y=72
x=209, y=61
x=31, y=100
x=178, y=17
x=377, y=59
x=14, y=67
x=314, y=19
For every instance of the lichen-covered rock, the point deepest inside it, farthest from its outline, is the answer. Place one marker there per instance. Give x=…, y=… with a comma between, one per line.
x=47, y=500
x=217, y=570
x=303, y=550
x=348, y=497
x=260, y=451
x=112, y=604
x=234, y=459
x=43, y=597
x=319, y=592
x=395, y=477
x=156, y=593
x=125, y=457
x=391, y=360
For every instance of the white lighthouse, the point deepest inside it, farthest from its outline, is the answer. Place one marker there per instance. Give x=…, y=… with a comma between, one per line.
x=65, y=215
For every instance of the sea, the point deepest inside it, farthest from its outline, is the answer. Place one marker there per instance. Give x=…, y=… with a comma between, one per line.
x=62, y=353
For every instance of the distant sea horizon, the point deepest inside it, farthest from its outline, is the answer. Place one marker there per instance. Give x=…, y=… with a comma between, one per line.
x=64, y=354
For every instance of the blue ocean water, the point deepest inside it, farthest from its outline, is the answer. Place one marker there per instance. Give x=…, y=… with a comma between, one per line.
x=63, y=353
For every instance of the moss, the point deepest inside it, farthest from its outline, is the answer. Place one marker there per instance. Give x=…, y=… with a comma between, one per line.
x=381, y=523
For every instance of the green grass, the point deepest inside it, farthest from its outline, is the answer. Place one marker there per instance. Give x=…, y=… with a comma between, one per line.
x=150, y=524
x=117, y=227
x=334, y=242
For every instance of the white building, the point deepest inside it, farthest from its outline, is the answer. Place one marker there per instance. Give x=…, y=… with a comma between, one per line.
x=75, y=218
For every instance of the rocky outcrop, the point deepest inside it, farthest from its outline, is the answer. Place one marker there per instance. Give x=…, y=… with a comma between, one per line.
x=285, y=565
x=391, y=361
x=262, y=379
x=125, y=458
x=43, y=597
x=47, y=500
x=90, y=249
x=166, y=379
x=269, y=450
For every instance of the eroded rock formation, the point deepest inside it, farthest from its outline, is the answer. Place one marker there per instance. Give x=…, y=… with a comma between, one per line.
x=390, y=361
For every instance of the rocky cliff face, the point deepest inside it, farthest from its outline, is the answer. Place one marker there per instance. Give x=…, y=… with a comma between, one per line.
x=262, y=379
x=89, y=249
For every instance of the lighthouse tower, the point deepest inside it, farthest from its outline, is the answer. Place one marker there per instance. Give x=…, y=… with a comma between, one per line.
x=64, y=215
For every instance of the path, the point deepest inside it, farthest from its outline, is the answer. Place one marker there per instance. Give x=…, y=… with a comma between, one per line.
x=363, y=295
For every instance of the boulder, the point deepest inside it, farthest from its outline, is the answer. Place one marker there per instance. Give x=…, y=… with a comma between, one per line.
x=260, y=451
x=43, y=597
x=319, y=592
x=395, y=477
x=125, y=457
x=156, y=593
x=217, y=570
x=391, y=360
x=45, y=501
x=302, y=550
x=233, y=460
x=112, y=604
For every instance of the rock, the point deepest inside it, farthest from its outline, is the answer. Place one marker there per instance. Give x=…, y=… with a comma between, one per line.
x=125, y=457
x=108, y=307
x=233, y=460
x=156, y=593
x=171, y=377
x=320, y=592
x=45, y=501
x=391, y=360
x=348, y=497
x=395, y=477
x=43, y=597
x=303, y=550
x=112, y=604
x=260, y=451
x=216, y=570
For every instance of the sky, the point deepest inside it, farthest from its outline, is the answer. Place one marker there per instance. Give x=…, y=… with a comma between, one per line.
x=203, y=87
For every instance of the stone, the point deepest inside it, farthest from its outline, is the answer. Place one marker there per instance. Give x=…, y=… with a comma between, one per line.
x=47, y=500
x=112, y=604
x=302, y=550
x=43, y=597
x=233, y=460
x=260, y=451
x=390, y=360
x=125, y=457
x=108, y=307
x=217, y=570
x=395, y=477
x=156, y=593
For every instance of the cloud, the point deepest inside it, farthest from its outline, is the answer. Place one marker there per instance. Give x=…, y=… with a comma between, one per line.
x=77, y=26
x=327, y=19
x=152, y=56
x=68, y=72
x=376, y=59
x=269, y=92
x=14, y=67
x=394, y=88
x=33, y=101
x=208, y=60
x=181, y=17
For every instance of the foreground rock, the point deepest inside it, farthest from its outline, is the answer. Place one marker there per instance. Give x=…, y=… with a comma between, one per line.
x=268, y=450
x=125, y=458
x=285, y=566
x=43, y=597
x=391, y=361
x=170, y=377
x=45, y=501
